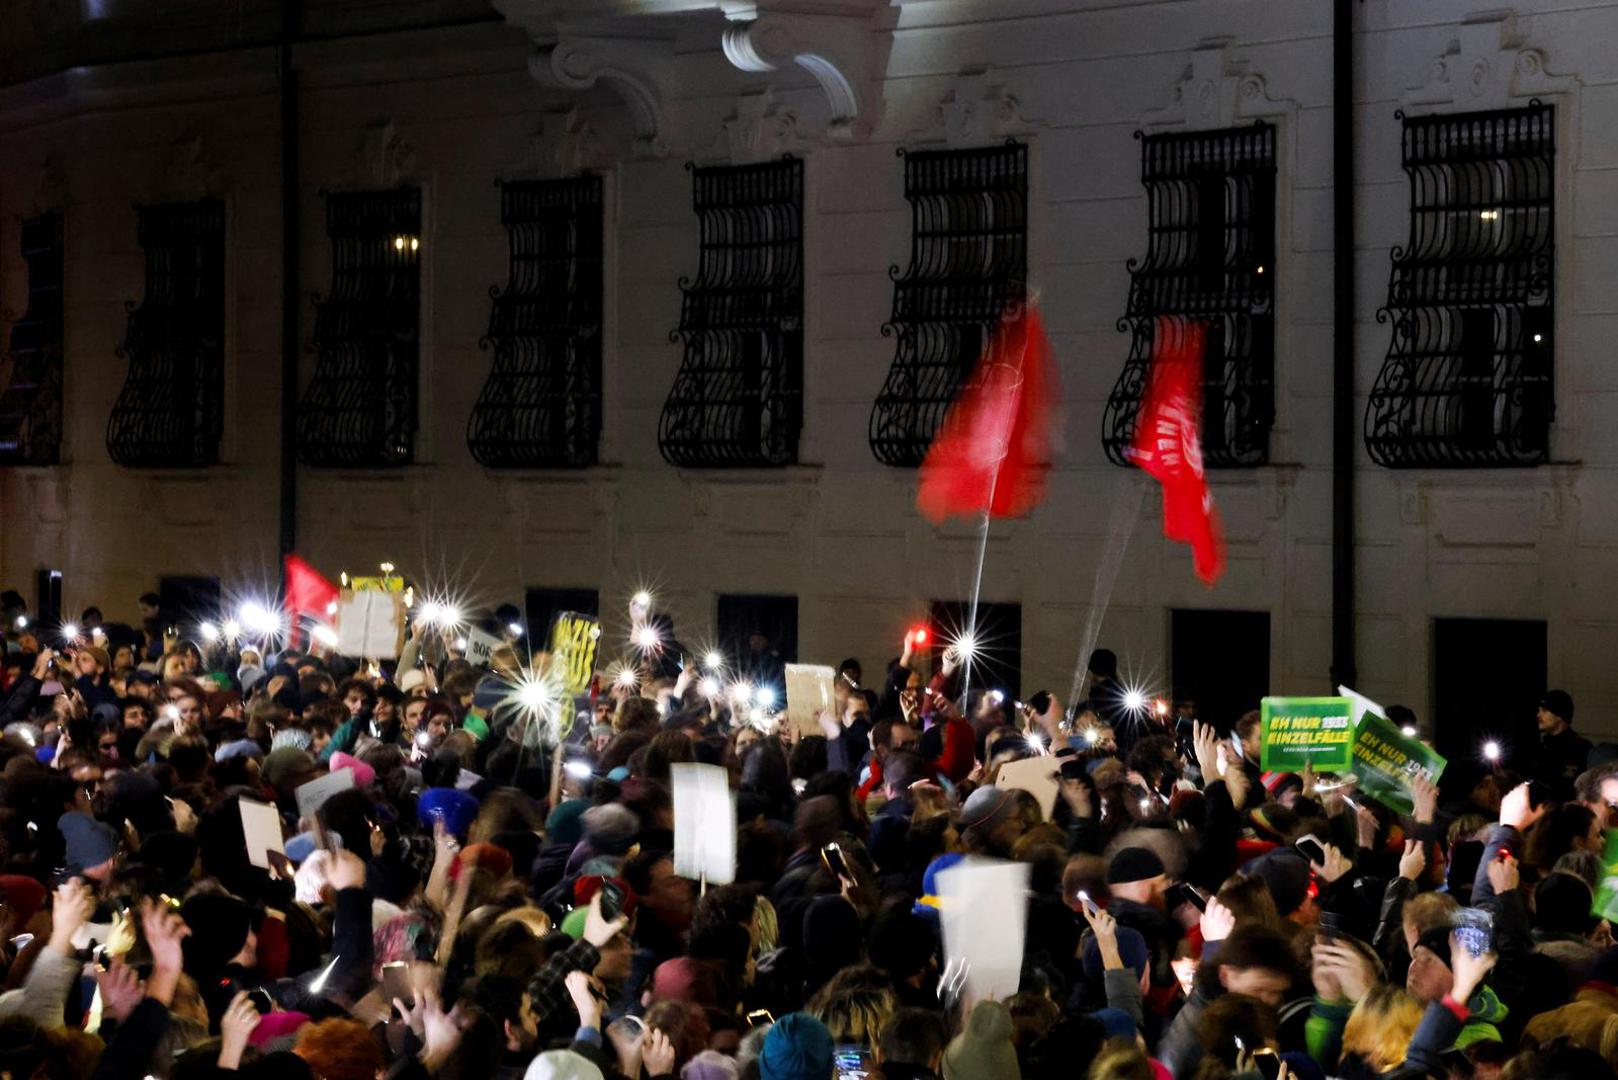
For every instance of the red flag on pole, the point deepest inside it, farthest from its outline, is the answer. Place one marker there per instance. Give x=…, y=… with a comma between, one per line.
x=1168, y=443
x=993, y=449
x=307, y=592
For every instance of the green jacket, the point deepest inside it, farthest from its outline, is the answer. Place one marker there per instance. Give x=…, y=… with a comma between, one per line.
x=1323, y=1031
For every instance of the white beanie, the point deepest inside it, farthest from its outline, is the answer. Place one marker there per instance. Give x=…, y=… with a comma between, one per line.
x=562, y=1065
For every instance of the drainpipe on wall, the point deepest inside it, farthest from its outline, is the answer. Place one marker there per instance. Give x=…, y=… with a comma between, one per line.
x=291, y=334
x=1343, y=667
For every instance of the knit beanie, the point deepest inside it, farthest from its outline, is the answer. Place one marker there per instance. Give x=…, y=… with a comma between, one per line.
x=987, y=807
x=286, y=761
x=1286, y=873
x=564, y=826
x=1562, y=905
x=219, y=924
x=562, y=1065
x=984, y=1049
x=89, y=842
x=798, y=1047
x=1134, y=864
x=1436, y=941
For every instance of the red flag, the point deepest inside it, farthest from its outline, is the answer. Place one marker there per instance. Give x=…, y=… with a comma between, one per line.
x=993, y=449
x=1168, y=443
x=308, y=593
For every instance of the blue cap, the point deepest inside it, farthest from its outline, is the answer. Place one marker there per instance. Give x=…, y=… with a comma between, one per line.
x=45, y=754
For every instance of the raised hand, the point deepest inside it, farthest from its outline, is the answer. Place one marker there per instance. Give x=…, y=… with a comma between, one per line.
x=1503, y=874
x=1335, y=866
x=1469, y=970
x=599, y=930
x=1413, y=861
x=235, y=1028
x=1206, y=744
x=71, y=910
x=657, y=1053
x=582, y=986
x=1424, y=793
x=1516, y=811
x=1217, y=921
x=121, y=990
x=1105, y=928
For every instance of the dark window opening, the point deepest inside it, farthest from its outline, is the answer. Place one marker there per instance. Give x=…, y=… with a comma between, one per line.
x=170, y=412
x=1220, y=662
x=360, y=408
x=1211, y=257
x=968, y=270
x=997, y=655
x=737, y=401
x=541, y=405
x=31, y=401
x=1468, y=378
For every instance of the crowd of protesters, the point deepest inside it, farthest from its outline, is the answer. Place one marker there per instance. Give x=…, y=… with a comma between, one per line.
x=496, y=897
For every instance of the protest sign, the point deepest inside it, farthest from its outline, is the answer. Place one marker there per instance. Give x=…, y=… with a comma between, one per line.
x=1362, y=704
x=983, y=906
x=1385, y=760
x=479, y=646
x=1039, y=776
x=809, y=689
x=1606, y=898
x=1307, y=731
x=575, y=640
x=704, y=823
x=261, y=828
x=370, y=624
x=313, y=795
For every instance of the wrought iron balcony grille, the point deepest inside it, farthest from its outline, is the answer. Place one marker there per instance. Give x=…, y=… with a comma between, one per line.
x=968, y=270
x=359, y=410
x=31, y=402
x=737, y=400
x=170, y=412
x=1210, y=256
x=541, y=406
x=1468, y=378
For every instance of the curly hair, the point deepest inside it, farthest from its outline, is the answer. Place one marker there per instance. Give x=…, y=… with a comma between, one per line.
x=340, y=1049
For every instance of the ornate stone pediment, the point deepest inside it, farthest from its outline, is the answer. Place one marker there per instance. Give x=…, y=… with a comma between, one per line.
x=1486, y=65
x=1216, y=90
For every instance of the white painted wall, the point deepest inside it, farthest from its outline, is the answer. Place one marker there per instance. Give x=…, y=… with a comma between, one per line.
x=839, y=530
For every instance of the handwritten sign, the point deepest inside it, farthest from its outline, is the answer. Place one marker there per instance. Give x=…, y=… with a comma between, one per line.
x=575, y=642
x=480, y=646
x=1385, y=760
x=1315, y=731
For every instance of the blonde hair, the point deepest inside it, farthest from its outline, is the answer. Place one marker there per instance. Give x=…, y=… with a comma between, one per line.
x=1429, y=911
x=855, y=1004
x=1121, y=1059
x=767, y=924
x=1381, y=1026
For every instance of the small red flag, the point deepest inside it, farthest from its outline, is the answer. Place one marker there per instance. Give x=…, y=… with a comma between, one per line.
x=993, y=449
x=1168, y=443
x=308, y=593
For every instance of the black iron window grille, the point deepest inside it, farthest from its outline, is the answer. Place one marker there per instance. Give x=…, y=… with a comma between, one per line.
x=968, y=270
x=359, y=410
x=170, y=412
x=1468, y=378
x=541, y=407
x=31, y=403
x=737, y=400
x=1210, y=256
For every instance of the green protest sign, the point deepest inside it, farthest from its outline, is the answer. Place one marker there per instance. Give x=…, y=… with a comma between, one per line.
x=1300, y=731
x=1385, y=759
x=1606, y=901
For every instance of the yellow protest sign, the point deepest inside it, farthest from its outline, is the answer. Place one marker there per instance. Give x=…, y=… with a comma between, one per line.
x=575, y=640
